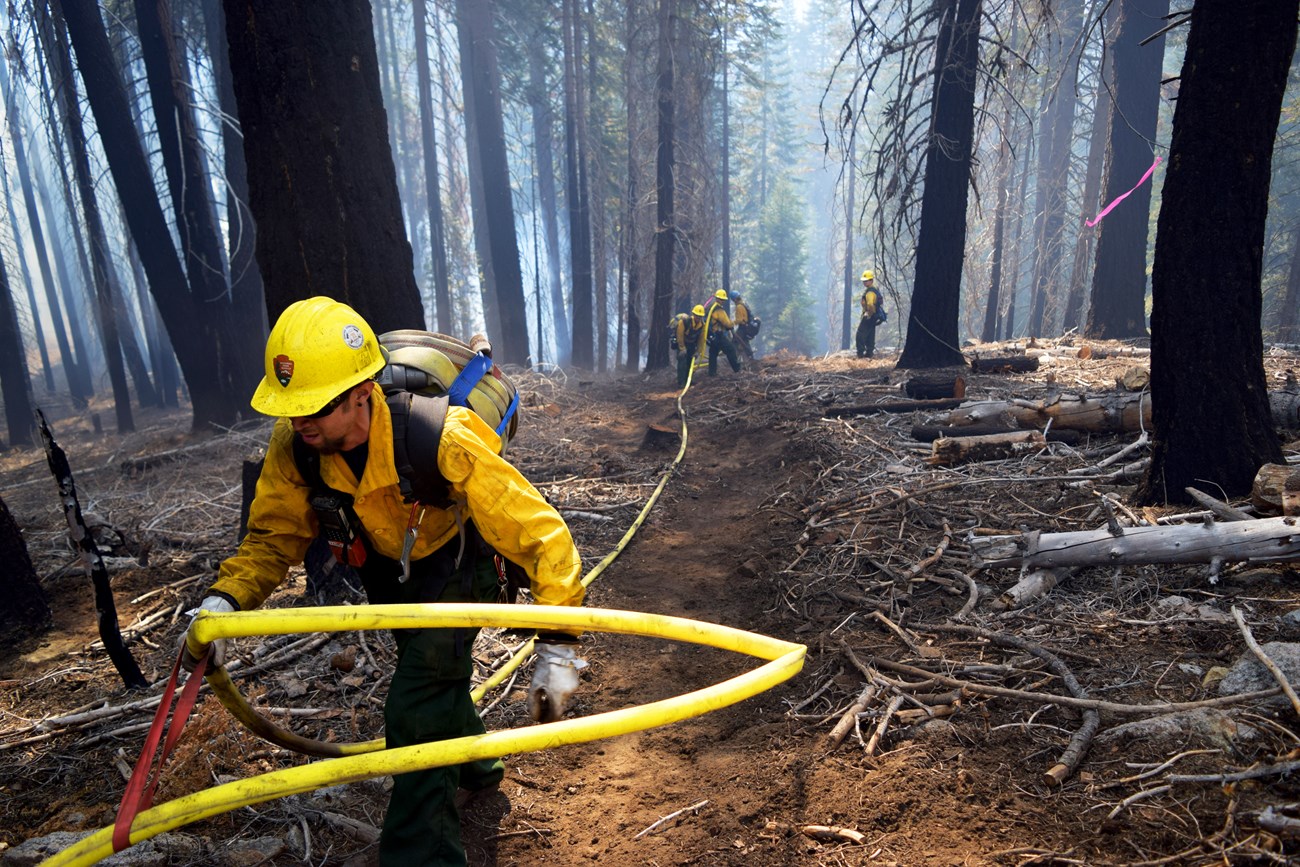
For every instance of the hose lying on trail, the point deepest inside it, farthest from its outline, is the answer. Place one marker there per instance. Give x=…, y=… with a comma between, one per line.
x=785, y=659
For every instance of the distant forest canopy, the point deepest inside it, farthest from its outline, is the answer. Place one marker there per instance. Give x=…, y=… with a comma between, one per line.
x=568, y=175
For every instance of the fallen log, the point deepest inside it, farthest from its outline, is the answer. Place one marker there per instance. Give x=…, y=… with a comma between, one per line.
x=930, y=433
x=1097, y=352
x=1267, y=540
x=1004, y=364
x=892, y=406
x=949, y=451
x=1110, y=413
x=932, y=387
x=1276, y=490
x=1032, y=586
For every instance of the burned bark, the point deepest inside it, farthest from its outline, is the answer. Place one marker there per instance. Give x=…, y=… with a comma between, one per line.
x=79, y=534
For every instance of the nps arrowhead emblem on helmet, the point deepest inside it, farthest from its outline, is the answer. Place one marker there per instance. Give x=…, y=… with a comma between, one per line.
x=283, y=365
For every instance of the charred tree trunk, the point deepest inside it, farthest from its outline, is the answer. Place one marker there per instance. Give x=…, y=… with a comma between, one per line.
x=481, y=78
x=247, y=294
x=194, y=340
x=1005, y=164
x=76, y=382
x=79, y=533
x=26, y=611
x=15, y=386
x=1083, y=245
x=1119, y=282
x=389, y=89
x=850, y=284
x=1054, y=164
x=543, y=137
x=632, y=261
x=593, y=185
x=432, y=179
x=46, y=370
x=725, y=60
x=1225, y=125
x=666, y=218
x=1289, y=314
x=161, y=358
x=321, y=176
x=575, y=173
x=75, y=293
x=932, y=324
x=238, y=352
x=1017, y=233
x=56, y=51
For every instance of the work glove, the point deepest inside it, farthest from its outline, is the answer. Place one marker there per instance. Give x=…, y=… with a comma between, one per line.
x=554, y=680
x=193, y=651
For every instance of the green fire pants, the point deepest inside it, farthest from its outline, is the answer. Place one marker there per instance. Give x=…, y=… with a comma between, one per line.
x=429, y=700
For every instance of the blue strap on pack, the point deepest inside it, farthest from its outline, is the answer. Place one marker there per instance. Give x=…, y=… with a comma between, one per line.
x=505, y=419
x=468, y=377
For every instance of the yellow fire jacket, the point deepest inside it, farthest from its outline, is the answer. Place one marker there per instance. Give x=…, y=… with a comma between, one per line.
x=688, y=332
x=715, y=319
x=511, y=515
x=742, y=313
x=870, y=300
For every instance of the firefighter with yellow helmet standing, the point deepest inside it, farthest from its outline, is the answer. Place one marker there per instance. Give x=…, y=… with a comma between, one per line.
x=717, y=327
x=321, y=360
x=747, y=325
x=873, y=313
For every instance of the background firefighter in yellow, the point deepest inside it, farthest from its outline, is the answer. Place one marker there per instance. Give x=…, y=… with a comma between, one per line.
x=718, y=326
x=872, y=311
x=747, y=325
x=688, y=328
x=321, y=358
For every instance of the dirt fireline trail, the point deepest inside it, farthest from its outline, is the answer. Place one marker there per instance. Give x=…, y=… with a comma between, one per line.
x=707, y=552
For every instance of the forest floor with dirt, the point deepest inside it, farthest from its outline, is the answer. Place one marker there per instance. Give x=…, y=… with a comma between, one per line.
x=836, y=533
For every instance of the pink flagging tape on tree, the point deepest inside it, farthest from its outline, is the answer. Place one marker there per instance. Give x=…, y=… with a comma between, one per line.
x=1106, y=210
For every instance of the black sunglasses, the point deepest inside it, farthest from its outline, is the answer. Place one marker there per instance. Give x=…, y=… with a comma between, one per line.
x=331, y=406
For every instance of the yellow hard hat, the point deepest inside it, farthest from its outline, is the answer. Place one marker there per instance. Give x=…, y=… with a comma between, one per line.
x=318, y=349
x=721, y=294
x=868, y=275
x=698, y=310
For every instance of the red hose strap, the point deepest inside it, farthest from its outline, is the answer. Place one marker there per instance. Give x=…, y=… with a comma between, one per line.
x=137, y=796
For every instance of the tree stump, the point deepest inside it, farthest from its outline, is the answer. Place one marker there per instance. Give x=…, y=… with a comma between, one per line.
x=1276, y=490
x=660, y=439
x=26, y=611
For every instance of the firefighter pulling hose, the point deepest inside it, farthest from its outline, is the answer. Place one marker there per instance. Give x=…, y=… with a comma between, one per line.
x=554, y=680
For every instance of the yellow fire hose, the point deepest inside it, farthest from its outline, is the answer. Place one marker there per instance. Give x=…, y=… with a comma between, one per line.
x=785, y=659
